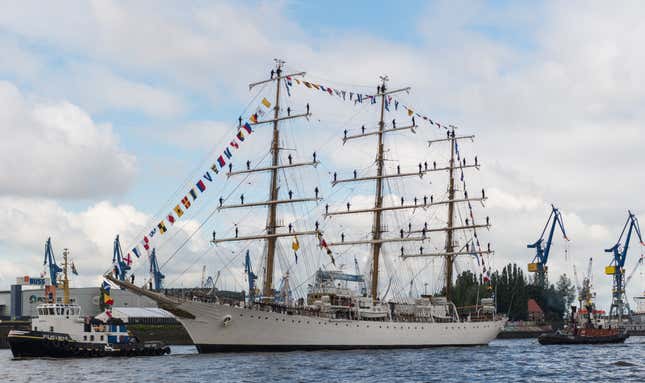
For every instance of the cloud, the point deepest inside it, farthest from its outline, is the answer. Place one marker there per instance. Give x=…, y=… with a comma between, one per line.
x=552, y=92
x=55, y=149
x=88, y=234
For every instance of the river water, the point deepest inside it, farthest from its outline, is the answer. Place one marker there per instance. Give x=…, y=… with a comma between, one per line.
x=521, y=360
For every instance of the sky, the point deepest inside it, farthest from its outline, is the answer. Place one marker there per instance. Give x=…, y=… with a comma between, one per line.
x=112, y=109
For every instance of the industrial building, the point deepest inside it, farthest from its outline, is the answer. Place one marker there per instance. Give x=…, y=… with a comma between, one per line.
x=24, y=302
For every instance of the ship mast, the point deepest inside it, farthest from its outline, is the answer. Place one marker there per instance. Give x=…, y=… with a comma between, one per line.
x=275, y=151
x=450, y=252
x=378, y=197
x=271, y=236
x=451, y=212
x=65, y=278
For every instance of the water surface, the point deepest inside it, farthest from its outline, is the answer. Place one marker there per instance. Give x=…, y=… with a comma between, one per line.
x=521, y=360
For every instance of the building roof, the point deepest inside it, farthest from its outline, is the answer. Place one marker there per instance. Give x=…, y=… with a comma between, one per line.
x=534, y=307
x=136, y=312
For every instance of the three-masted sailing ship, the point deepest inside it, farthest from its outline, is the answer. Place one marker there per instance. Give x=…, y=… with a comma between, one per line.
x=334, y=315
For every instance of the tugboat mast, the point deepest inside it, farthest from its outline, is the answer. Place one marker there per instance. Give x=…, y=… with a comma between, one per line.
x=65, y=279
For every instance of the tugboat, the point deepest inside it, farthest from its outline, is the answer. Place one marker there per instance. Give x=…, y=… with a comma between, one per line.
x=60, y=331
x=587, y=334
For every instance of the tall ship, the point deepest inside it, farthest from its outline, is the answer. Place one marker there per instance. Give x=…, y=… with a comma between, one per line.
x=333, y=307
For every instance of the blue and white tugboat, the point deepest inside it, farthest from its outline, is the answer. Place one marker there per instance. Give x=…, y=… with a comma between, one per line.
x=60, y=331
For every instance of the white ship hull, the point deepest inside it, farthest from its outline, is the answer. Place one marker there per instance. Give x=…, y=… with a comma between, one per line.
x=221, y=328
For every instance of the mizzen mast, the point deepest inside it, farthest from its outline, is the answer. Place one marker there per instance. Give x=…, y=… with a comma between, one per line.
x=271, y=236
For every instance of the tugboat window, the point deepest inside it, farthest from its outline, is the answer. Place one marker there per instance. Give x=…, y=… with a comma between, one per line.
x=51, y=328
x=91, y=338
x=84, y=337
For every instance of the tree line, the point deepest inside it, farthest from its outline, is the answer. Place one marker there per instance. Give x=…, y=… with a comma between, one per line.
x=512, y=290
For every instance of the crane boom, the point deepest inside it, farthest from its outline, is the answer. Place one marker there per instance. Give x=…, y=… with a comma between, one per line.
x=50, y=260
x=121, y=267
x=157, y=275
x=539, y=263
x=616, y=268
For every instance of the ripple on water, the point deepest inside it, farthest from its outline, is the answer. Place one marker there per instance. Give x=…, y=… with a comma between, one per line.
x=518, y=360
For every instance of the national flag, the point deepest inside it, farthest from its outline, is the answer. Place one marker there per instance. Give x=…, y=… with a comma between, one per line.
x=220, y=161
x=201, y=186
x=266, y=102
x=240, y=135
x=186, y=202
x=235, y=144
x=171, y=219
x=162, y=227
x=135, y=250
x=106, y=287
x=248, y=128
x=193, y=193
x=254, y=118
x=74, y=271
x=178, y=211
x=108, y=301
x=227, y=153
x=295, y=245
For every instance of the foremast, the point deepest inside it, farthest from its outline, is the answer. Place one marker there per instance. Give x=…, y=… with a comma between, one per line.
x=271, y=231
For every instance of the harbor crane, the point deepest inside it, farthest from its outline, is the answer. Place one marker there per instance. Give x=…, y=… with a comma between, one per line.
x=539, y=263
x=250, y=275
x=585, y=295
x=50, y=260
x=121, y=264
x=616, y=268
x=155, y=273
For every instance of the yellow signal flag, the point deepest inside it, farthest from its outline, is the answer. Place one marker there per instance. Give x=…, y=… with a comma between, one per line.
x=266, y=102
x=178, y=211
x=295, y=245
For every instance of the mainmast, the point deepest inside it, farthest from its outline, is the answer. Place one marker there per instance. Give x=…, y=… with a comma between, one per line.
x=271, y=234
x=451, y=212
x=378, y=196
